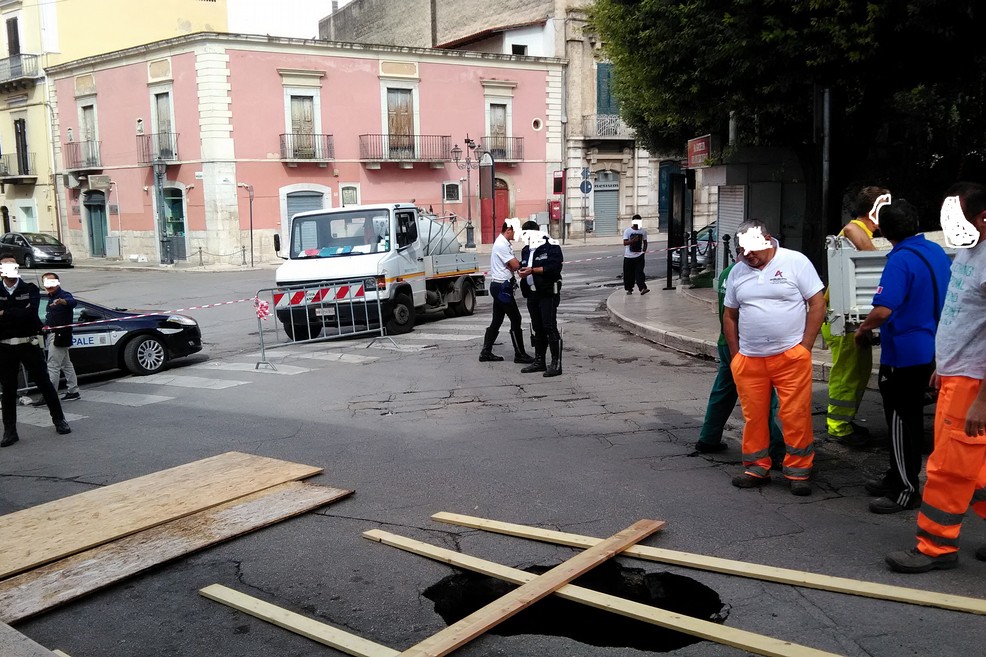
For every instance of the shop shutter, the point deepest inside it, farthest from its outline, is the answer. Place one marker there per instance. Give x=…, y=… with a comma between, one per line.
x=732, y=211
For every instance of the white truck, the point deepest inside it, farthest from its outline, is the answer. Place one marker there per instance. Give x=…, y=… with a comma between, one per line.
x=408, y=260
x=853, y=279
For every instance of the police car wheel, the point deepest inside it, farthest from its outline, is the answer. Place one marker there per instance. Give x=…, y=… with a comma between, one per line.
x=145, y=355
x=402, y=316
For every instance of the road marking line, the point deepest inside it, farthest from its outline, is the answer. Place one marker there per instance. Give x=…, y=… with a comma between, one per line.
x=123, y=398
x=183, y=381
x=248, y=367
x=39, y=417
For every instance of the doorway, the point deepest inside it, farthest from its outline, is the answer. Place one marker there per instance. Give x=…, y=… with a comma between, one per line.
x=95, y=206
x=174, y=216
x=501, y=202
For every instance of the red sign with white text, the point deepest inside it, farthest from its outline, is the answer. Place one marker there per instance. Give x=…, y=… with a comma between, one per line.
x=699, y=151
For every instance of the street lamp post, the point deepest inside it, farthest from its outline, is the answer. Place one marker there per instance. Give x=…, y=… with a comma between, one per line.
x=468, y=165
x=249, y=188
x=160, y=167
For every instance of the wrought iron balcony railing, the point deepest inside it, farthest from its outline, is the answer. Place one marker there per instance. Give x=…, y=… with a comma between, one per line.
x=503, y=148
x=307, y=147
x=82, y=155
x=17, y=165
x=405, y=148
x=18, y=67
x=157, y=146
x=606, y=125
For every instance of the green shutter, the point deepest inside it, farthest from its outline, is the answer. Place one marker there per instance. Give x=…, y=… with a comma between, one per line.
x=606, y=102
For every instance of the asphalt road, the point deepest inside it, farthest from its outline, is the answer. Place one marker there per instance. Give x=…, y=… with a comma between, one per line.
x=427, y=428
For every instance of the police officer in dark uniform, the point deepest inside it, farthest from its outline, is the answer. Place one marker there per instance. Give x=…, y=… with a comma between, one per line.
x=20, y=343
x=540, y=283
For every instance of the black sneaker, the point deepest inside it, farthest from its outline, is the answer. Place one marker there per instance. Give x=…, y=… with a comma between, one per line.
x=489, y=357
x=853, y=440
x=644, y=291
x=800, y=488
x=71, y=396
x=886, y=505
x=878, y=488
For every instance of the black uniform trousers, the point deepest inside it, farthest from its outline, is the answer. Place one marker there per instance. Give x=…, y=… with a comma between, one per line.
x=902, y=389
x=31, y=356
x=633, y=272
x=544, y=316
x=501, y=310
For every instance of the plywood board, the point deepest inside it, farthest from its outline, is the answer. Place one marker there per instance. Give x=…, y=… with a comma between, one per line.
x=80, y=574
x=537, y=587
x=730, y=567
x=15, y=644
x=748, y=641
x=306, y=627
x=46, y=532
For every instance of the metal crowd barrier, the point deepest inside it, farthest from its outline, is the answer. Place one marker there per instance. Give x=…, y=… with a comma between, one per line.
x=317, y=312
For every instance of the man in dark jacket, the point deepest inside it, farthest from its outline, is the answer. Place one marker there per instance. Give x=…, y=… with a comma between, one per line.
x=540, y=282
x=61, y=305
x=20, y=337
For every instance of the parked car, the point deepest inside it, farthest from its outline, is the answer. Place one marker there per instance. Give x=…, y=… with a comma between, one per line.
x=32, y=249
x=707, y=238
x=139, y=345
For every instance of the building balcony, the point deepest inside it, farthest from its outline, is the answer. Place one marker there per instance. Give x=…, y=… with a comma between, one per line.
x=157, y=146
x=300, y=147
x=606, y=126
x=404, y=149
x=18, y=168
x=18, y=72
x=503, y=149
x=83, y=156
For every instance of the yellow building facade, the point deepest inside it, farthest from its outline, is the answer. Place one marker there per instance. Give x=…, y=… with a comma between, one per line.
x=38, y=34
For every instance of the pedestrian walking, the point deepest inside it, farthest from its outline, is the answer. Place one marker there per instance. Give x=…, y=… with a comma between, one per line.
x=20, y=344
x=634, y=248
x=770, y=336
x=503, y=264
x=956, y=470
x=722, y=398
x=58, y=319
x=906, y=309
x=540, y=283
x=852, y=361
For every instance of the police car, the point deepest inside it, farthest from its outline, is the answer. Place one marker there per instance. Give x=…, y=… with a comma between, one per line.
x=139, y=345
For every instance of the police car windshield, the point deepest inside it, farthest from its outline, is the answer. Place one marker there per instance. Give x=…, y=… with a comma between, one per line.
x=359, y=232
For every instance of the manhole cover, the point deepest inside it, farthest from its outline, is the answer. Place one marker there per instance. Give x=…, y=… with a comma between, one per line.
x=457, y=596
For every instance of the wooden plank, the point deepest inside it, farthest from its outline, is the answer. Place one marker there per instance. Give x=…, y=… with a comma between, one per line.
x=80, y=574
x=475, y=624
x=46, y=532
x=748, y=641
x=59, y=653
x=15, y=644
x=306, y=627
x=730, y=567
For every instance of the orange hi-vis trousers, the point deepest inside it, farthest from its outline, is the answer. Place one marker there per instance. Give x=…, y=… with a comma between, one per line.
x=956, y=470
x=789, y=373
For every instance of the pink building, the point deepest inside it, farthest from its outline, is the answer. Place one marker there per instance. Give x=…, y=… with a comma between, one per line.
x=163, y=146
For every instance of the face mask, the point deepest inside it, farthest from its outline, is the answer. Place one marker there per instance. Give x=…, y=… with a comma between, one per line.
x=51, y=283
x=531, y=238
x=959, y=232
x=881, y=200
x=10, y=270
x=753, y=240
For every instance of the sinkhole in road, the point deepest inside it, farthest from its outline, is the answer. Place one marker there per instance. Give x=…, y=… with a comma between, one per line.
x=457, y=596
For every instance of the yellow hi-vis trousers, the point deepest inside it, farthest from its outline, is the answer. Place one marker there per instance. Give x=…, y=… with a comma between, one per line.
x=851, y=369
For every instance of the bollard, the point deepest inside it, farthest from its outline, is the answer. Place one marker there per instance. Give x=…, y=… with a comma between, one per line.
x=243, y=253
x=470, y=235
x=694, y=250
x=686, y=261
x=200, y=257
x=726, y=252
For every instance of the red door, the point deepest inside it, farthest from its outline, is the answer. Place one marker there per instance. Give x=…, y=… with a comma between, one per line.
x=491, y=224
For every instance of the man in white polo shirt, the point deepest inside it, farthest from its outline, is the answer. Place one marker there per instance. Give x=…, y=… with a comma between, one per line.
x=770, y=335
x=503, y=264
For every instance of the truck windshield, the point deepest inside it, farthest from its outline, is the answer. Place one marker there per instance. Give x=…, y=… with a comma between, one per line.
x=340, y=234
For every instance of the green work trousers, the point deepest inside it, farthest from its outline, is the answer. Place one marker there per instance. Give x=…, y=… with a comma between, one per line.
x=851, y=369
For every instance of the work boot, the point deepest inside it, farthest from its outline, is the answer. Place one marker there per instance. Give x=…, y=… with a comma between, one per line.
x=916, y=561
x=520, y=356
x=800, y=487
x=554, y=367
x=888, y=505
x=747, y=480
x=9, y=437
x=879, y=488
x=540, y=348
x=487, y=355
x=710, y=448
x=62, y=427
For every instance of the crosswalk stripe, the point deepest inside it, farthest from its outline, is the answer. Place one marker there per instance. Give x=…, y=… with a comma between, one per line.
x=180, y=381
x=415, y=335
x=341, y=357
x=401, y=347
x=123, y=398
x=39, y=417
x=248, y=367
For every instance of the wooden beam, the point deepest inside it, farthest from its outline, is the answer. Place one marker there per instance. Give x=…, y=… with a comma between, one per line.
x=46, y=532
x=59, y=653
x=306, y=627
x=67, y=579
x=748, y=641
x=730, y=567
x=15, y=644
x=462, y=632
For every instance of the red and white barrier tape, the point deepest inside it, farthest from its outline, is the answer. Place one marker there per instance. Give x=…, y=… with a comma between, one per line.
x=157, y=314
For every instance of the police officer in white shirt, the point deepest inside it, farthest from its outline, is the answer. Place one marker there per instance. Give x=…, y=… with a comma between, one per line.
x=503, y=264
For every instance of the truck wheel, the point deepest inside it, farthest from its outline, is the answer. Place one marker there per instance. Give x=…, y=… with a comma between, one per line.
x=402, y=317
x=302, y=331
x=467, y=305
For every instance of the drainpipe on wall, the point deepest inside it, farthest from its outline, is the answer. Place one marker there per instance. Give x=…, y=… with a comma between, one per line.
x=54, y=176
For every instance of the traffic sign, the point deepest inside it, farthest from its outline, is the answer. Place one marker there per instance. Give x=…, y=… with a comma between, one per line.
x=585, y=186
x=585, y=173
